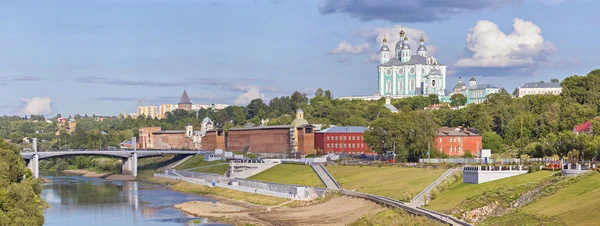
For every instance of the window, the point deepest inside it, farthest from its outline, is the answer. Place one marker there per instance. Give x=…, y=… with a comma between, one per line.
x=432, y=82
x=450, y=140
x=328, y=145
x=336, y=145
x=440, y=140
x=450, y=149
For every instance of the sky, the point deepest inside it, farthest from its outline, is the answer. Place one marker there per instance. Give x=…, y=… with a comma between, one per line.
x=102, y=56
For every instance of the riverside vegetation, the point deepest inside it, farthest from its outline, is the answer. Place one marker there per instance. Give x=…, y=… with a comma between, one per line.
x=20, y=202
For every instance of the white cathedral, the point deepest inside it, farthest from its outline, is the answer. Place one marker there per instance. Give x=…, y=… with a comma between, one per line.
x=404, y=74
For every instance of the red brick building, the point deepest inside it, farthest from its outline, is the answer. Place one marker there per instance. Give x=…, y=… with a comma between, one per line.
x=274, y=141
x=214, y=139
x=156, y=138
x=456, y=141
x=346, y=139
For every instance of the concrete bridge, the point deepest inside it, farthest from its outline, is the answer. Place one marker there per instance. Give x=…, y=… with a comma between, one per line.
x=128, y=157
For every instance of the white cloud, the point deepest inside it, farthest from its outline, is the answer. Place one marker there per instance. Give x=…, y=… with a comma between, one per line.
x=490, y=47
x=37, y=106
x=252, y=93
x=346, y=48
x=553, y=2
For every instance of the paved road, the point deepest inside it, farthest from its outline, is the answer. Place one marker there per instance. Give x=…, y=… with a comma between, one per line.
x=329, y=182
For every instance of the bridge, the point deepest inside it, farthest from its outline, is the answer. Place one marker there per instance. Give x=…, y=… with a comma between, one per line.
x=128, y=157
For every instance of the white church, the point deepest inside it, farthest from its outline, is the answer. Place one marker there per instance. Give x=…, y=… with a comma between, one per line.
x=402, y=74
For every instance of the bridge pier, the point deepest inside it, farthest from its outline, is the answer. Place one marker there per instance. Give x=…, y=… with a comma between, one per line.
x=33, y=164
x=129, y=165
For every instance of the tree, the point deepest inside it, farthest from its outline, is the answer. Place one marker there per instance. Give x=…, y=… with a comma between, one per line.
x=328, y=95
x=515, y=92
x=319, y=92
x=458, y=100
x=493, y=142
x=554, y=80
x=434, y=99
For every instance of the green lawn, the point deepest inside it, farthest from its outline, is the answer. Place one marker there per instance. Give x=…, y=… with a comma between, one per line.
x=290, y=174
x=394, y=182
x=196, y=161
x=218, y=169
x=459, y=192
x=576, y=204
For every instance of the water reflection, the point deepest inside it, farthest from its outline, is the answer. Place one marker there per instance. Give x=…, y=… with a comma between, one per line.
x=75, y=200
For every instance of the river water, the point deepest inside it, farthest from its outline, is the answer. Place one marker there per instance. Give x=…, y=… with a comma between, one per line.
x=76, y=201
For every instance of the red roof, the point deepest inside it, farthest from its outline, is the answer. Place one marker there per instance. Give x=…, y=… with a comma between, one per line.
x=586, y=126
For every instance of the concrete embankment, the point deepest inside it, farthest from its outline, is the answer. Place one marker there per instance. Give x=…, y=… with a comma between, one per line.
x=107, y=176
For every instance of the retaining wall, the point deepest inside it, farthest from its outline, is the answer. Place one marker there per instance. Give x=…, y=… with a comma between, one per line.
x=477, y=175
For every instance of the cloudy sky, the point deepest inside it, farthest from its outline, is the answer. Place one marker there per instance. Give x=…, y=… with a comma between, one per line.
x=100, y=57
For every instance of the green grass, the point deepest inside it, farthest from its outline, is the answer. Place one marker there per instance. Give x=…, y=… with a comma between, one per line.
x=393, y=217
x=196, y=161
x=290, y=174
x=218, y=169
x=394, y=182
x=447, y=200
x=578, y=203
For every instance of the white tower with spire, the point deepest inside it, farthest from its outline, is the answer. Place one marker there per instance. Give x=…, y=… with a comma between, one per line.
x=405, y=52
x=422, y=50
x=384, y=52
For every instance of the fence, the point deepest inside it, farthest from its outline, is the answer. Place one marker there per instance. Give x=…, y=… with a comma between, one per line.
x=237, y=188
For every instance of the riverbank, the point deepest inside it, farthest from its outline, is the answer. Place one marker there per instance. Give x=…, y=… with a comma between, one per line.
x=107, y=176
x=341, y=210
x=240, y=208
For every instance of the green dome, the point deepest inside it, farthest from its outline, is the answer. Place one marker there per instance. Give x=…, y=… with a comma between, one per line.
x=298, y=122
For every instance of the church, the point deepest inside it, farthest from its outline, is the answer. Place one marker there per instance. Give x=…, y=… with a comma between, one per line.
x=402, y=74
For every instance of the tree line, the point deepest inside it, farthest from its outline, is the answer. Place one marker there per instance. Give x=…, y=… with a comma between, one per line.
x=537, y=125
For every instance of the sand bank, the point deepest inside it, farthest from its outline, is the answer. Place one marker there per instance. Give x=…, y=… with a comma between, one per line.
x=337, y=211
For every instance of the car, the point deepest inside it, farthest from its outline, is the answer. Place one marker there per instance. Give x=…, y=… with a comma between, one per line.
x=363, y=156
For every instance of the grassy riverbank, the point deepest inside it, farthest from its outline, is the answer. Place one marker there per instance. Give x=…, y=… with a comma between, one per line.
x=290, y=174
x=457, y=193
x=394, y=217
x=394, y=182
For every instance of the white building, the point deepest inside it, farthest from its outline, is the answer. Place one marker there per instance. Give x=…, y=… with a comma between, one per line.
x=539, y=88
x=401, y=73
x=148, y=111
x=164, y=108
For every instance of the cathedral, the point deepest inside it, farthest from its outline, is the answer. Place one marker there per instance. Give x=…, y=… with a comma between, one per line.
x=402, y=74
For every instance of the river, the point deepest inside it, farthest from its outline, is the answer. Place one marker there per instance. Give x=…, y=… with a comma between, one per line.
x=76, y=200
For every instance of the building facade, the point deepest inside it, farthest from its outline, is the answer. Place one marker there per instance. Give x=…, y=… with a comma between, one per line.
x=164, y=108
x=475, y=93
x=156, y=138
x=345, y=139
x=456, y=141
x=213, y=139
x=539, y=88
x=400, y=73
x=280, y=141
x=147, y=111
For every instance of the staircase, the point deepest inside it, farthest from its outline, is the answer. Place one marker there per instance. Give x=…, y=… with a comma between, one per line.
x=327, y=179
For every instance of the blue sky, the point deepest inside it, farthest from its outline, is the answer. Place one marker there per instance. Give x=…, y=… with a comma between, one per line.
x=100, y=57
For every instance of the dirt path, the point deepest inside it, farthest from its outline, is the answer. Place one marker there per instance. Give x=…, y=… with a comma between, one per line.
x=338, y=211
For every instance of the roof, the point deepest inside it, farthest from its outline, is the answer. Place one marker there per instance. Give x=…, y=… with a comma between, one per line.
x=344, y=129
x=414, y=59
x=455, y=131
x=472, y=79
x=540, y=85
x=185, y=99
x=261, y=128
x=422, y=48
x=483, y=86
x=384, y=48
x=586, y=126
x=169, y=132
x=391, y=107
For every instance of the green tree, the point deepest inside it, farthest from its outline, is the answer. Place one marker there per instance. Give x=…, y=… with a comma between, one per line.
x=493, y=142
x=434, y=99
x=458, y=100
x=554, y=80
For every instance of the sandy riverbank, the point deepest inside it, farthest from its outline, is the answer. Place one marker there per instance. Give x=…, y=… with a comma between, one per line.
x=337, y=211
x=107, y=176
